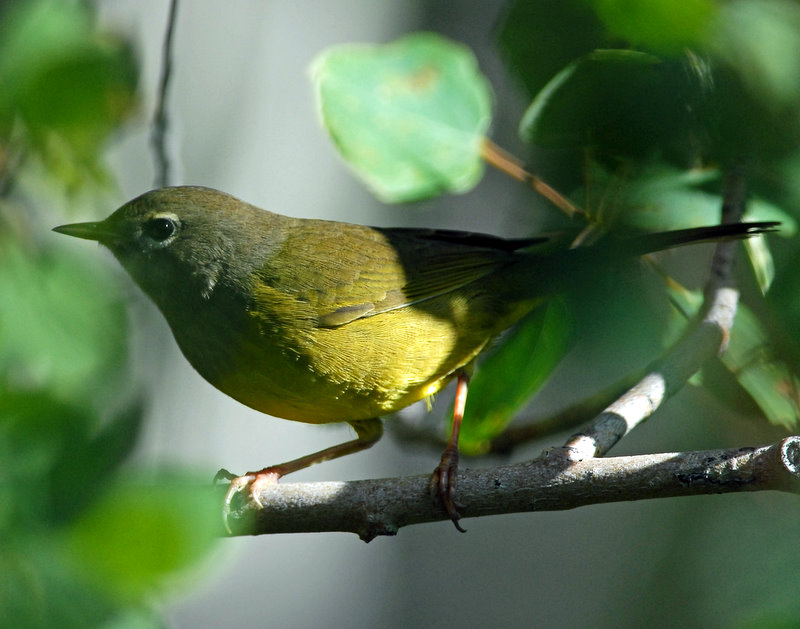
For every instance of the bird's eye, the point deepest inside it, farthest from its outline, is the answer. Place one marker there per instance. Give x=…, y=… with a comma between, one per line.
x=160, y=228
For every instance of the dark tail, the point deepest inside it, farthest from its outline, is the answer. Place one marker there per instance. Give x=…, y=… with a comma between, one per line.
x=647, y=243
x=551, y=273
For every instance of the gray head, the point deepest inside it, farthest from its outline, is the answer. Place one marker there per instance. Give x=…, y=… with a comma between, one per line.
x=185, y=241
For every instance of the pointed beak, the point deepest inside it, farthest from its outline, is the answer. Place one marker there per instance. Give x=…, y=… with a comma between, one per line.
x=89, y=231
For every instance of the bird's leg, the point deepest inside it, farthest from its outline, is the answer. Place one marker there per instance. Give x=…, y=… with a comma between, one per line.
x=443, y=479
x=369, y=431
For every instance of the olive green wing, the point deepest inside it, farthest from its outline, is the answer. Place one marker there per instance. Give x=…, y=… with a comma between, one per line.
x=367, y=271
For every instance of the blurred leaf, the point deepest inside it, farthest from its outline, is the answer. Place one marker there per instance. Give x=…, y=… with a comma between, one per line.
x=760, y=41
x=539, y=37
x=770, y=382
x=55, y=457
x=68, y=85
x=36, y=431
x=40, y=589
x=659, y=197
x=62, y=325
x=622, y=103
x=663, y=26
x=754, y=106
x=750, y=359
x=87, y=466
x=512, y=373
x=408, y=117
x=136, y=536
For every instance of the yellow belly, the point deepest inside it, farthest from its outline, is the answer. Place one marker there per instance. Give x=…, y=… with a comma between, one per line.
x=342, y=374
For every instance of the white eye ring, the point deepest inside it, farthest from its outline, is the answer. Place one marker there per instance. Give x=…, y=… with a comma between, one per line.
x=161, y=227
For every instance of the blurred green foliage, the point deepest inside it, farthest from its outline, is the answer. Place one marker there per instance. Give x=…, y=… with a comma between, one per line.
x=85, y=542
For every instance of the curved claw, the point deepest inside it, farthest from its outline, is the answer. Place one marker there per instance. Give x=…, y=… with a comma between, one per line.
x=249, y=482
x=443, y=485
x=222, y=475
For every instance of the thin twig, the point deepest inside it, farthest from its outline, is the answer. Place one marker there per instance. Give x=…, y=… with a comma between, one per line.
x=705, y=340
x=160, y=118
x=568, y=418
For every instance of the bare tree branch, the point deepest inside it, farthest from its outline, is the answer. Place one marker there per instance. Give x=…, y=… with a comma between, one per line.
x=555, y=481
x=160, y=118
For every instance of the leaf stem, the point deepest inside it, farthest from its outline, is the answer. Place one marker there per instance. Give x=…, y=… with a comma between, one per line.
x=507, y=163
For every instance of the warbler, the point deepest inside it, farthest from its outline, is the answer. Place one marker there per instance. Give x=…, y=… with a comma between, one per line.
x=319, y=321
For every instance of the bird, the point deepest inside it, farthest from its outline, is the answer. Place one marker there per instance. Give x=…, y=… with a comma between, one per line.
x=322, y=321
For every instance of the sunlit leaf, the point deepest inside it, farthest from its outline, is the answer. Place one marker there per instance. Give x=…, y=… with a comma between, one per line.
x=409, y=117
x=770, y=382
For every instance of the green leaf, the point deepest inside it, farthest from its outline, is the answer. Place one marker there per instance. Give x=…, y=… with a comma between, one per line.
x=409, y=117
x=512, y=373
x=539, y=38
x=56, y=456
x=138, y=535
x=37, y=431
x=659, y=197
x=40, y=589
x=571, y=105
x=65, y=85
x=663, y=26
x=62, y=324
x=620, y=104
x=760, y=40
x=768, y=381
x=87, y=464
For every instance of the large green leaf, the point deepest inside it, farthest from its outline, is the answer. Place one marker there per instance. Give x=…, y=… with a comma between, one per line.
x=661, y=198
x=512, y=373
x=619, y=102
x=409, y=117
